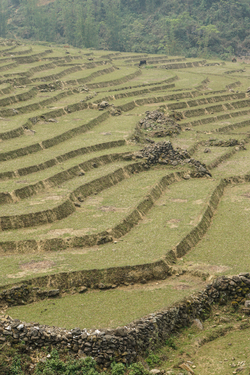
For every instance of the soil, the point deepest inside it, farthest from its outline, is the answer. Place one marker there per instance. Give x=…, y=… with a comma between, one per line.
x=33, y=265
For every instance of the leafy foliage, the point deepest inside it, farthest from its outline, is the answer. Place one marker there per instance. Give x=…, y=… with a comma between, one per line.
x=117, y=369
x=55, y=366
x=193, y=28
x=153, y=360
x=137, y=369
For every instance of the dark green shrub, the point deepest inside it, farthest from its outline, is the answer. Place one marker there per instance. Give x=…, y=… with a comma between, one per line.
x=117, y=368
x=153, y=360
x=137, y=369
x=170, y=342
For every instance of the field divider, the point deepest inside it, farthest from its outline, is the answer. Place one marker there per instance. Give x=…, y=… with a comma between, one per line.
x=59, y=178
x=183, y=65
x=64, y=72
x=114, y=82
x=93, y=75
x=18, y=98
x=135, y=93
x=53, y=141
x=209, y=120
x=197, y=233
x=67, y=207
x=18, y=53
x=115, y=275
x=219, y=107
x=145, y=205
x=8, y=66
x=168, y=80
x=27, y=220
x=56, y=76
x=178, y=95
x=226, y=156
x=158, y=61
x=63, y=157
x=9, y=112
x=6, y=90
x=92, y=278
x=24, y=60
x=27, y=81
x=7, y=49
x=227, y=128
x=84, y=105
x=109, y=235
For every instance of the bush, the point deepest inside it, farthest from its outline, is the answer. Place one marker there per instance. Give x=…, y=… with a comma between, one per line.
x=117, y=369
x=16, y=368
x=55, y=366
x=153, y=360
x=170, y=342
x=137, y=369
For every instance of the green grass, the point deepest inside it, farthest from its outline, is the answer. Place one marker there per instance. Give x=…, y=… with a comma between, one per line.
x=47, y=130
x=52, y=197
x=110, y=130
x=226, y=243
x=174, y=214
x=220, y=348
x=105, y=309
x=238, y=164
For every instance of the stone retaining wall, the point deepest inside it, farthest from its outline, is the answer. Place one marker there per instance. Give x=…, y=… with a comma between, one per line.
x=8, y=66
x=114, y=82
x=125, y=344
x=57, y=179
x=59, y=159
x=168, y=80
x=39, y=287
x=18, y=98
x=13, y=154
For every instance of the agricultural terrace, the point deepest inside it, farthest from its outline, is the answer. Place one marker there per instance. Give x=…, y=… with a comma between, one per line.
x=79, y=202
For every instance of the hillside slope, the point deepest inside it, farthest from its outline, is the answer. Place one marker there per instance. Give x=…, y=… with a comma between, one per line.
x=191, y=28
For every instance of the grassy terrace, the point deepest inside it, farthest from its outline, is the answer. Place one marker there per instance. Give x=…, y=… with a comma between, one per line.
x=225, y=240
x=47, y=159
x=90, y=306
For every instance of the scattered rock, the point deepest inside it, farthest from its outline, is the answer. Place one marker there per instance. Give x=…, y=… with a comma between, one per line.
x=115, y=111
x=247, y=303
x=103, y=105
x=52, y=120
x=224, y=320
x=198, y=324
x=53, y=293
x=155, y=371
x=207, y=150
x=186, y=367
x=82, y=289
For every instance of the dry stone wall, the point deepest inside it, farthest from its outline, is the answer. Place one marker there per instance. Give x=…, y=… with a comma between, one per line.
x=125, y=344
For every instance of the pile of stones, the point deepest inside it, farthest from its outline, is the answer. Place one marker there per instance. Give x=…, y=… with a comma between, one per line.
x=159, y=124
x=164, y=153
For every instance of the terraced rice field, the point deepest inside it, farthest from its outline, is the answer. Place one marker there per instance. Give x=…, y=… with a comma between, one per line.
x=72, y=198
